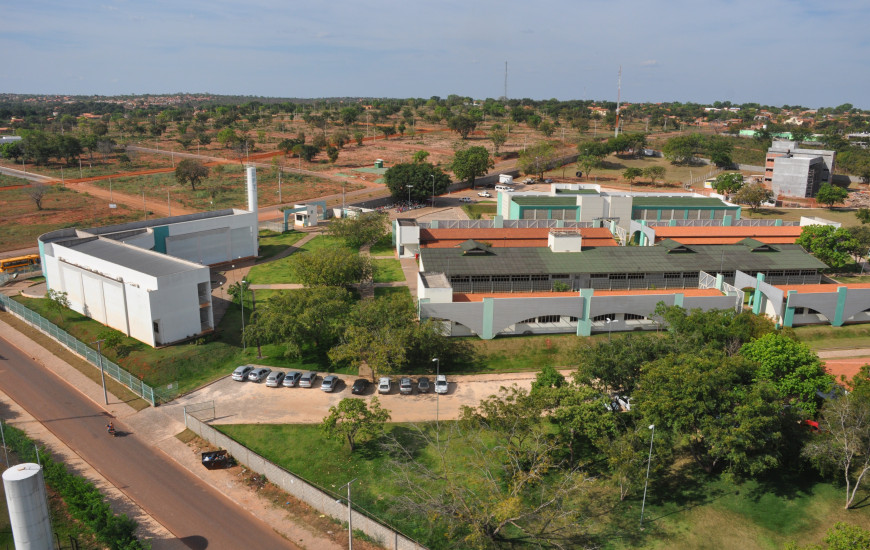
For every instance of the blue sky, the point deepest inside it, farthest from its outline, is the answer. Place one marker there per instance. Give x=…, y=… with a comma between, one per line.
x=769, y=51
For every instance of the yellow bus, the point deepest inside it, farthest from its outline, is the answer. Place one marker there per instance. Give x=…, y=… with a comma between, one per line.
x=18, y=263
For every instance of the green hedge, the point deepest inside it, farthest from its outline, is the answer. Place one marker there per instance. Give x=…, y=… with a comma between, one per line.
x=84, y=501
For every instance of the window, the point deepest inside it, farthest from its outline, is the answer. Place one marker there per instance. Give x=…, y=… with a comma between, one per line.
x=549, y=319
x=634, y=317
x=599, y=276
x=540, y=277
x=605, y=317
x=792, y=272
x=799, y=310
x=532, y=320
x=635, y=275
x=574, y=319
x=617, y=276
x=673, y=275
x=156, y=326
x=774, y=273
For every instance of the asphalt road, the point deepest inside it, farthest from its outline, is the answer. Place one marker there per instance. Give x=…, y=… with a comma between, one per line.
x=191, y=510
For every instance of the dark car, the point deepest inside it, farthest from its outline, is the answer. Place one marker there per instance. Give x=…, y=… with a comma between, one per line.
x=360, y=386
x=292, y=379
x=423, y=385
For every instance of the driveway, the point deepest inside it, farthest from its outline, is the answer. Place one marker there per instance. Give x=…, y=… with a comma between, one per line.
x=252, y=403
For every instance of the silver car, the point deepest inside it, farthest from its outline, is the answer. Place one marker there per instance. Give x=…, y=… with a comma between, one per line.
x=241, y=373
x=259, y=374
x=307, y=379
x=275, y=378
x=329, y=383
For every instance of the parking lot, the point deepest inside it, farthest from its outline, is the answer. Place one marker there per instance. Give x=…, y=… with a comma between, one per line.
x=252, y=403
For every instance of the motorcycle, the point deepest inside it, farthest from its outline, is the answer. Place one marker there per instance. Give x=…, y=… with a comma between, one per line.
x=110, y=429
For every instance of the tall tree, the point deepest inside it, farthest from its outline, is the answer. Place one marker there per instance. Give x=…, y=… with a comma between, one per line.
x=331, y=267
x=537, y=159
x=498, y=136
x=471, y=163
x=462, y=125
x=728, y=183
x=753, y=195
x=353, y=419
x=419, y=176
x=831, y=245
x=190, y=171
x=831, y=194
x=357, y=231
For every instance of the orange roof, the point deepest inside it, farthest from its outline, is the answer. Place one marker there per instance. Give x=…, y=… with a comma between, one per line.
x=817, y=289
x=478, y=297
x=769, y=234
x=508, y=237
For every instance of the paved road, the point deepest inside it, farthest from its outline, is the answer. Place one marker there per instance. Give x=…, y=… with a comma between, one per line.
x=39, y=178
x=194, y=512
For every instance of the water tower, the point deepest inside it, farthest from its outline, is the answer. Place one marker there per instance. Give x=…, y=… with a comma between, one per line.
x=28, y=507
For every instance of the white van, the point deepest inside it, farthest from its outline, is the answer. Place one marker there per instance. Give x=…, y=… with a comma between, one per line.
x=504, y=188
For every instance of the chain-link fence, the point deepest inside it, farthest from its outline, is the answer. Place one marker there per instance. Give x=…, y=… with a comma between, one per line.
x=22, y=273
x=319, y=498
x=111, y=369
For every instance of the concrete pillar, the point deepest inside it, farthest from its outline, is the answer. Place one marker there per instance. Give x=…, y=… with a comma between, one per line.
x=758, y=296
x=727, y=221
x=678, y=299
x=498, y=222
x=584, y=323
x=842, y=292
x=488, y=318
x=788, y=316
x=720, y=281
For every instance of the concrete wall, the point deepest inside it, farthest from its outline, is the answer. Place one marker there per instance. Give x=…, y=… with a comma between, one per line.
x=325, y=502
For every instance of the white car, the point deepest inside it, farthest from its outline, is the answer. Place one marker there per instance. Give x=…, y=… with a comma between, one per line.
x=441, y=384
x=464, y=199
x=484, y=194
x=241, y=373
x=384, y=385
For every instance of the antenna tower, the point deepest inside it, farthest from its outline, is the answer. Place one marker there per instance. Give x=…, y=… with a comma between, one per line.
x=618, y=97
x=505, y=80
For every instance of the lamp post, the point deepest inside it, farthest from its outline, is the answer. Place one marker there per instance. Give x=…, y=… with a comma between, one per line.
x=99, y=344
x=648, y=461
x=242, y=302
x=349, y=514
x=437, y=372
x=409, y=194
x=608, y=320
x=433, y=189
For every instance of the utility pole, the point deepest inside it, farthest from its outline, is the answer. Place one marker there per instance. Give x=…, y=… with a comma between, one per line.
x=168, y=204
x=349, y=514
x=618, y=97
x=99, y=344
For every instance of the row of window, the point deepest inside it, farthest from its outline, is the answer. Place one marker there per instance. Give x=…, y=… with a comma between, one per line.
x=612, y=317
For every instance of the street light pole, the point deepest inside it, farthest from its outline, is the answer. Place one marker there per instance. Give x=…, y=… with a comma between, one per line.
x=608, y=320
x=99, y=344
x=648, y=461
x=349, y=514
x=433, y=189
x=409, y=194
x=437, y=403
x=242, y=301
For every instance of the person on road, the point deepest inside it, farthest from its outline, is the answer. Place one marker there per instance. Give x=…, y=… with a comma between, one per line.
x=110, y=427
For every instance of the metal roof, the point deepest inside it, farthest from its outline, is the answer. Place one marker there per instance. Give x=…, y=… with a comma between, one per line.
x=543, y=200
x=622, y=259
x=671, y=202
x=131, y=257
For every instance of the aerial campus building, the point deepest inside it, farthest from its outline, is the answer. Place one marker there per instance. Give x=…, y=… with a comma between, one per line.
x=549, y=275
x=150, y=279
x=794, y=172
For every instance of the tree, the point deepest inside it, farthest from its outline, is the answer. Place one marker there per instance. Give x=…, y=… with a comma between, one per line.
x=57, y=302
x=792, y=366
x=615, y=365
x=498, y=136
x=190, y=171
x=711, y=403
x=227, y=137
x=353, y=419
x=361, y=230
x=419, y=177
x=546, y=127
x=829, y=244
x=863, y=215
x=753, y=195
x=719, y=148
x=420, y=156
x=831, y=194
x=861, y=234
x=332, y=154
x=844, y=442
x=469, y=164
x=682, y=149
x=387, y=130
x=462, y=125
x=632, y=174
x=37, y=192
x=331, y=267
x=358, y=138
x=537, y=159
x=654, y=173
x=308, y=318
x=728, y=183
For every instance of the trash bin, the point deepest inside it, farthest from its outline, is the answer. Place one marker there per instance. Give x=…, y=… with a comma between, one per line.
x=215, y=460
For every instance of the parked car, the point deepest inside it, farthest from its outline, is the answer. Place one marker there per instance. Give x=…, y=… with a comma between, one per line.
x=406, y=386
x=329, y=383
x=484, y=194
x=548, y=180
x=241, y=373
x=275, y=378
x=465, y=199
x=384, y=385
x=307, y=379
x=292, y=379
x=441, y=384
x=360, y=386
x=259, y=374
x=423, y=385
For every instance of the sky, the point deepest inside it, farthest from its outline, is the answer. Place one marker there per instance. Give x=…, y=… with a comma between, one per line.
x=774, y=52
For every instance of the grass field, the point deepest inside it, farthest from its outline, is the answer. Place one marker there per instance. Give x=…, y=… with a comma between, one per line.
x=476, y=210
x=383, y=247
x=272, y=243
x=389, y=291
x=387, y=271
x=685, y=509
x=279, y=271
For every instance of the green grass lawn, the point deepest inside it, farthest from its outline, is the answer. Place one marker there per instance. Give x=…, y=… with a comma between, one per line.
x=383, y=247
x=476, y=210
x=827, y=337
x=279, y=271
x=521, y=353
x=387, y=271
x=272, y=243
